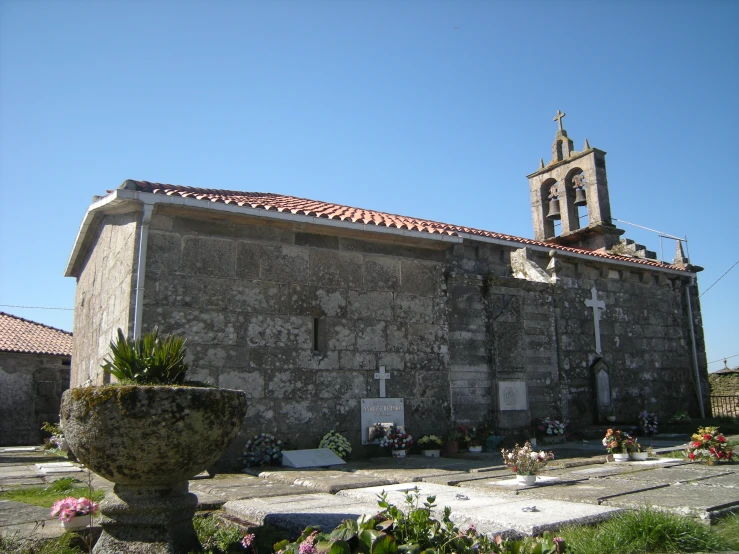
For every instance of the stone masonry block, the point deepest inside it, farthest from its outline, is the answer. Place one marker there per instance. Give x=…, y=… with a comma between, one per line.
x=256, y=296
x=248, y=256
x=371, y=335
x=315, y=301
x=414, y=309
x=200, y=327
x=251, y=382
x=208, y=256
x=370, y=305
x=419, y=277
x=357, y=360
x=287, y=264
x=346, y=384
x=292, y=331
x=381, y=273
x=341, y=334
x=425, y=337
x=397, y=337
x=163, y=252
x=292, y=384
x=329, y=269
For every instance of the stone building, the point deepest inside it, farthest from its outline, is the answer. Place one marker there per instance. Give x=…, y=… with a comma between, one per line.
x=300, y=303
x=35, y=362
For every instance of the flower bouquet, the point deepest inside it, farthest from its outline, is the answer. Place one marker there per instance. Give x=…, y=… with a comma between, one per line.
x=526, y=462
x=74, y=512
x=648, y=423
x=430, y=444
x=551, y=427
x=263, y=449
x=708, y=445
x=397, y=440
x=618, y=443
x=337, y=443
x=469, y=436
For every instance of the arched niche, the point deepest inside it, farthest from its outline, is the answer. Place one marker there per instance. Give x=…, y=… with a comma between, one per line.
x=544, y=196
x=602, y=388
x=573, y=212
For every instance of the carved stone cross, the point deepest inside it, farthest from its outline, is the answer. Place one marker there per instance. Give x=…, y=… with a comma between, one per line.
x=596, y=305
x=382, y=376
x=558, y=118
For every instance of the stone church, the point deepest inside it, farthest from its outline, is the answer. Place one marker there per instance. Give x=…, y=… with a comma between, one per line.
x=304, y=304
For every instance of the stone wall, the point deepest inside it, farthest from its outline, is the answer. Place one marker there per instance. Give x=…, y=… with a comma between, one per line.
x=31, y=387
x=104, y=296
x=725, y=384
x=302, y=321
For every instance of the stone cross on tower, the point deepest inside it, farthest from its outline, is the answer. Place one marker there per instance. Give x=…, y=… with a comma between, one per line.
x=382, y=376
x=558, y=118
x=597, y=305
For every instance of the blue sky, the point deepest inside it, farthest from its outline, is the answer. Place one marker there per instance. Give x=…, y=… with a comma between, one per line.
x=430, y=109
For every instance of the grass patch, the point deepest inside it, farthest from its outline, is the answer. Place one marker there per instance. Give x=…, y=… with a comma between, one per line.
x=61, y=545
x=647, y=530
x=728, y=528
x=220, y=537
x=46, y=496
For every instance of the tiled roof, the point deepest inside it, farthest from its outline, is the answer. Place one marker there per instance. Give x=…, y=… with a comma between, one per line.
x=316, y=208
x=28, y=337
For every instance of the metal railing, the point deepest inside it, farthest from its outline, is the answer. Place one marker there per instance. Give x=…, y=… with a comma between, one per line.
x=725, y=406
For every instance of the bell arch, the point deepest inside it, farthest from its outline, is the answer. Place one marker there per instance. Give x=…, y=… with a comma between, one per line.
x=544, y=190
x=573, y=214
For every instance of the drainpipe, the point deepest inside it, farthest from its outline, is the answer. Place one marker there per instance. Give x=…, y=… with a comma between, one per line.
x=138, y=306
x=694, y=349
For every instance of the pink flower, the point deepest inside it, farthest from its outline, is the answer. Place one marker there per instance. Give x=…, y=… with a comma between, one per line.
x=247, y=541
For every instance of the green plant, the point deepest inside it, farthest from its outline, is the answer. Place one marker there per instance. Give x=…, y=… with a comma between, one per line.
x=147, y=360
x=645, y=530
x=337, y=443
x=429, y=442
x=263, y=449
x=411, y=530
x=15, y=544
x=45, y=497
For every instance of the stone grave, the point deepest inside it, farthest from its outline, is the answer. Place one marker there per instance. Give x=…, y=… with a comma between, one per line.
x=314, y=457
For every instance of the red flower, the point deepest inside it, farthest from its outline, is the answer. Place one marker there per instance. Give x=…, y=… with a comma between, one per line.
x=691, y=456
x=515, y=469
x=707, y=437
x=696, y=444
x=721, y=438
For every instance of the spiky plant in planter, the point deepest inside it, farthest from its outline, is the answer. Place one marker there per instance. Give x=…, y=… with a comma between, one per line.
x=149, y=434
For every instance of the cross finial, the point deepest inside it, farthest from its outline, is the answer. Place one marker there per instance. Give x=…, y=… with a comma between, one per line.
x=558, y=118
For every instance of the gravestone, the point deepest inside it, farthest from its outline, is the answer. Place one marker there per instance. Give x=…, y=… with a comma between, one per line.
x=314, y=457
x=512, y=396
x=383, y=411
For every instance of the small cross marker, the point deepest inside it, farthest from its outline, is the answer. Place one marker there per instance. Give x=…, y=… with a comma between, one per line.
x=558, y=118
x=596, y=305
x=382, y=376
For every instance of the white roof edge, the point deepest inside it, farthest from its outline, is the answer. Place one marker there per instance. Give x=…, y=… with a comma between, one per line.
x=565, y=253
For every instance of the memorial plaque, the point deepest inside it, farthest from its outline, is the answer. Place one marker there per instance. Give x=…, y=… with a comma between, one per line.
x=314, y=457
x=383, y=411
x=512, y=396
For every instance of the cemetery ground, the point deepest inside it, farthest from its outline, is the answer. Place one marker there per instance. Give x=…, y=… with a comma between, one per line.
x=573, y=496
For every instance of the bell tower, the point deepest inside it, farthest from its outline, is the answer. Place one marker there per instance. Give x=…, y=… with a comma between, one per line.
x=572, y=179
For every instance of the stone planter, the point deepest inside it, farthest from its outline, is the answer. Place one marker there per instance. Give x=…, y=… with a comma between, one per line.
x=432, y=453
x=527, y=480
x=639, y=456
x=475, y=449
x=149, y=441
x=620, y=457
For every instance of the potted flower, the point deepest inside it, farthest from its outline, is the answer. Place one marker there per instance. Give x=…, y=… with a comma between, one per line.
x=430, y=445
x=525, y=462
x=648, y=423
x=263, y=450
x=469, y=436
x=74, y=512
x=397, y=440
x=337, y=443
x=149, y=433
x=451, y=446
x=551, y=430
x=709, y=446
x=616, y=443
x=636, y=452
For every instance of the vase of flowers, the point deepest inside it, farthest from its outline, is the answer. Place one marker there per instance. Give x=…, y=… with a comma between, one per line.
x=709, y=446
x=430, y=445
x=470, y=437
x=337, y=443
x=74, y=513
x=397, y=440
x=617, y=443
x=525, y=462
x=551, y=430
x=637, y=452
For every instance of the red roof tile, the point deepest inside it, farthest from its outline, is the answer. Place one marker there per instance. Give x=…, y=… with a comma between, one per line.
x=316, y=208
x=20, y=335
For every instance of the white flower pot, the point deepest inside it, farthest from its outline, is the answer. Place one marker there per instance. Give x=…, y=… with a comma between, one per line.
x=527, y=480
x=398, y=453
x=77, y=522
x=533, y=443
x=475, y=449
x=639, y=456
x=432, y=453
x=620, y=457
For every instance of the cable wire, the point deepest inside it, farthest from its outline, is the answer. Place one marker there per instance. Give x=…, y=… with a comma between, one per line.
x=717, y=280
x=34, y=307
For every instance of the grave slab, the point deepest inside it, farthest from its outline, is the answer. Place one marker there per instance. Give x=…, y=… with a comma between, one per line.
x=673, y=475
x=591, y=491
x=237, y=487
x=315, y=457
x=687, y=499
x=19, y=449
x=490, y=508
x=328, y=481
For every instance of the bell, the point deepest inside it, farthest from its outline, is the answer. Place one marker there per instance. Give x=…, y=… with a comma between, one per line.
x=554, y=209
x=580, y=199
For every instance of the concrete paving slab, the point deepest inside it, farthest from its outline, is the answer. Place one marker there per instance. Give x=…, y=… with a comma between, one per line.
x=687, y=499
x=238, y=487
x=19, y=449
x=329, y=481
x=454, y=479
x=295, y=513
x=726, y=481
x=591, y=491
x=492, y=508
x=673, y=475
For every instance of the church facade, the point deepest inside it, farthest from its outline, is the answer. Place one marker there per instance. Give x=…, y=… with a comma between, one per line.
x=301, y=303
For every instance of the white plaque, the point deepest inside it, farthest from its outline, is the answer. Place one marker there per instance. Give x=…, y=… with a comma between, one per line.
x=314, y=457
x=512, y=396
x=381, y=410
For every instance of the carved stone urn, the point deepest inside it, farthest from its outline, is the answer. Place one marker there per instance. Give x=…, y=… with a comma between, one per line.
x=149, y=440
